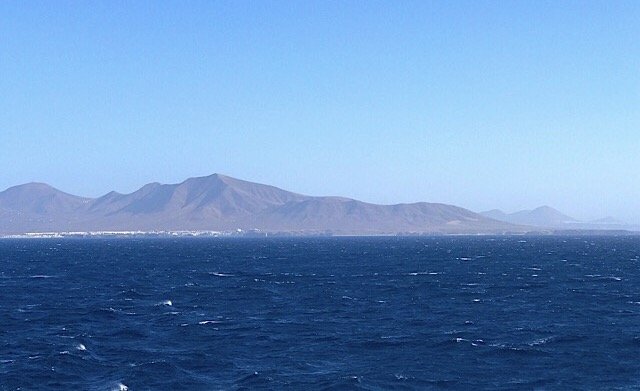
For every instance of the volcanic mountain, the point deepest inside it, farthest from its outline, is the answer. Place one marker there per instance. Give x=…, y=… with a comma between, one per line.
x=222, y=203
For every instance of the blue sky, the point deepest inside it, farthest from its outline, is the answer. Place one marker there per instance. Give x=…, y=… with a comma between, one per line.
x=485, y=105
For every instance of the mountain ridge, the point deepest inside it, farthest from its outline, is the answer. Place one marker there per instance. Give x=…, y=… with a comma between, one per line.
x=220, y=202
x=547, y=217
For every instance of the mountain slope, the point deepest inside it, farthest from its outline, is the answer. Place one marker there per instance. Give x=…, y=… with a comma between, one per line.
x=219, y=202
x=347, y=215
x=39, y=199
x=544, y=216
x=38, y=205
x=541, y=216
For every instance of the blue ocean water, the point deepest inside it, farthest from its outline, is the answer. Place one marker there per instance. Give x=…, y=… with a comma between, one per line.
x=469, y=313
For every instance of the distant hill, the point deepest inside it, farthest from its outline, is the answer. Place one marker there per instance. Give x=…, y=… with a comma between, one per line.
x=39, y=206
x=550, y=218
x=544, y=216
x=219, y=202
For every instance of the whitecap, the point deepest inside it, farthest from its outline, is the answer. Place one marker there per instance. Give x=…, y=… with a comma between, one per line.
x=458, y=340
x=477, y=342
x=166, y=302
x=220, y=274
x=81, y=347
x=541, y=341
x=203, y=322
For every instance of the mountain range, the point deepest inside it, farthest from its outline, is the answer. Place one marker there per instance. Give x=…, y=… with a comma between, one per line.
x=550, y=218
x=544, y=216
x=222, y=203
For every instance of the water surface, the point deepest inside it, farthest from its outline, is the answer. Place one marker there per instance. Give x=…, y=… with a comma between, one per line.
x=467, y=313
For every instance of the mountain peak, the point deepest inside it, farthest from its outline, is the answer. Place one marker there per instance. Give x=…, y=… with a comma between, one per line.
x=542, y=216
x=38, y=199
x=550, y=213
x=34, y=189
x=32, y=186
x=219, y=176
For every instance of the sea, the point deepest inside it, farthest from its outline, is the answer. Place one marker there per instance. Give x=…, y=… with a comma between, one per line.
x=360, y=313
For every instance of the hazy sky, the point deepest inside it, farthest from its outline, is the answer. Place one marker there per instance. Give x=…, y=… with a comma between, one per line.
x=497, y=104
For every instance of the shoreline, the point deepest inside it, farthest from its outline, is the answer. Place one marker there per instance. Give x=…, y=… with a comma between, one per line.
x=297, y=234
